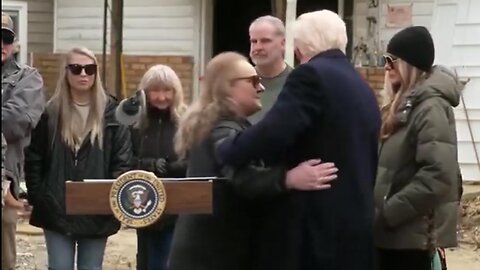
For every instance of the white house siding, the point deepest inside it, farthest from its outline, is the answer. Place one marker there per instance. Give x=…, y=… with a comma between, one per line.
x=422, y=12
x=40, y=25
x=151, y=27
x=455, y=27
x=456, y=31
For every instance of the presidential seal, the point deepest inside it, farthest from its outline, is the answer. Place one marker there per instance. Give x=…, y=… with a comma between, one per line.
x=138, y=198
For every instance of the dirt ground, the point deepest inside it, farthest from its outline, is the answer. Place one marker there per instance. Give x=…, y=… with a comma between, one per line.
x=121, y=248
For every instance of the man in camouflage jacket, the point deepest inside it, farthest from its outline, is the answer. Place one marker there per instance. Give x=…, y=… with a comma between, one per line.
x=23, y=102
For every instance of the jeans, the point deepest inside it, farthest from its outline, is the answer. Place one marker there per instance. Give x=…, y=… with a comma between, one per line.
x=61, y=252
x=153, y=249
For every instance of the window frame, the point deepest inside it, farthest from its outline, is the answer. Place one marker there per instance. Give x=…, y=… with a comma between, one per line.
x=21, y=8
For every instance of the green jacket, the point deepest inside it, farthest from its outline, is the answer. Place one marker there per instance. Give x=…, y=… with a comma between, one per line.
x=416, y=191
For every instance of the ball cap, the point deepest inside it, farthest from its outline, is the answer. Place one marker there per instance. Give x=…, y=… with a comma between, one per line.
x=7, y=23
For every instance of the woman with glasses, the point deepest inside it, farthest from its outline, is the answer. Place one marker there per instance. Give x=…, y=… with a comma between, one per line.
x=252, y=226
x=416, y=191
x=77, y=138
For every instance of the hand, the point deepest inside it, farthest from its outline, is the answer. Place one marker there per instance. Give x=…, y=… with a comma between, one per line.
x=25, y=210
x=22, y=206
x=155, y=165
x=311, y=175
x=11, y=202
x=160, y=166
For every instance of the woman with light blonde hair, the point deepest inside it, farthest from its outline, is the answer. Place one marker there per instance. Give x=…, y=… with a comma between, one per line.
x=152, y=145
x=77, y=138
x=252, y=220
x=416, y=190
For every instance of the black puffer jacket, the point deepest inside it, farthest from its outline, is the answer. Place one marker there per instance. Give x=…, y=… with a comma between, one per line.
x=50, y=163
x=154, y=141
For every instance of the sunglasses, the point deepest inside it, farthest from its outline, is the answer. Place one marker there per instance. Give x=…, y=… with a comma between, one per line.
x=76, y=69
x=8, y=37
x=255, y=80
x=390, y=60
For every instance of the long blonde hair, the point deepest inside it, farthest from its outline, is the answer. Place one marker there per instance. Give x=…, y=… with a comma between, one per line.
x=214, y=101
x=395, y=96
x=167, y=78
x=69, y=120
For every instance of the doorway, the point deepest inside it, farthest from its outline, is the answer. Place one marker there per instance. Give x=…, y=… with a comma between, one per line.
x=231, y=20
x=313, y=5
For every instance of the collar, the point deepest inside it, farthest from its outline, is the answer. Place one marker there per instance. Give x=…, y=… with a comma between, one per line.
x=333, y=53
x=9, y=67
x=154, y=113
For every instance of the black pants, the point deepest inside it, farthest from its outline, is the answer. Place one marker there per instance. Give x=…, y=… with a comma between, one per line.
x=142, y=250
x=409, y=259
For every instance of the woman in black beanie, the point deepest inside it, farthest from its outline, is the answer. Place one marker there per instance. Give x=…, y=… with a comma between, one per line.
x=416, y=190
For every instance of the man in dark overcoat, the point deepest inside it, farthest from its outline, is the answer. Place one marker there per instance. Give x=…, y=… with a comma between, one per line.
x=325, y=110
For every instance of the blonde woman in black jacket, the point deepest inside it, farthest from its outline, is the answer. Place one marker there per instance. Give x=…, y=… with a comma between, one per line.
x=254, y=224
x=77, y=138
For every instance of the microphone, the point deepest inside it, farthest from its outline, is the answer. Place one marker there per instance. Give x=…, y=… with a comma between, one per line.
x=129, y=111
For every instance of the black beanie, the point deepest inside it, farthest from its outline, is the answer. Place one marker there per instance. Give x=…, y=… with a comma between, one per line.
x=415, y=46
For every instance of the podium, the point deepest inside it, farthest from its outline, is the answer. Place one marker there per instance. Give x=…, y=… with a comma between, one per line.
x=183, y=196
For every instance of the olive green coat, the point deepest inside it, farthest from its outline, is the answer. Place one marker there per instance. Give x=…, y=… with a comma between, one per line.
x=418, y=173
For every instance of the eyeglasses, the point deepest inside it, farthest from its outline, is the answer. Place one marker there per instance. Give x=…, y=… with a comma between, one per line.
x=255, y=80
x=8, y=37
x=76, y=69
x=390, y=60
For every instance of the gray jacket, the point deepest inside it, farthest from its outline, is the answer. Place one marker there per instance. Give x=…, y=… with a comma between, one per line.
x=4, y=148
x=23, y=102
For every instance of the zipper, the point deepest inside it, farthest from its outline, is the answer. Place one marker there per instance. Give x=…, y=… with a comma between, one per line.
x=75, y=158
x=160, y=135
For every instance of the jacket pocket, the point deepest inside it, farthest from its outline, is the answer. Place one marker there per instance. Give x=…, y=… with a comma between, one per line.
x=383, y=187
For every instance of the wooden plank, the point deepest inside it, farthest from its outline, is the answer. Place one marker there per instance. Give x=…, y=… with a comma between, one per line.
x=168, y=11
x=40, y=6
x=80, y=12
x=64, y=45
x=158, y=22
x=116, y=49
x=41, y=27
x=154, y=12
x=40, y=17
x=40, y=38
x=128, y=34
x=40, y=47
x=76, y=3
x=186, y=197
x=156, y=3
x=179, y=47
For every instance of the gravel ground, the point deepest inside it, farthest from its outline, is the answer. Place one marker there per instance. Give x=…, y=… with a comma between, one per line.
x=120, y=253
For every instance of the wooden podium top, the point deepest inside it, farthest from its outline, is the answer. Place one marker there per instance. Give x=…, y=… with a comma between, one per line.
x=183, y=196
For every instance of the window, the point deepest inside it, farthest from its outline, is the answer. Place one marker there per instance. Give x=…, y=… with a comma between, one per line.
x=18, y=13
